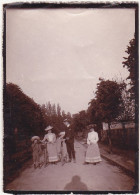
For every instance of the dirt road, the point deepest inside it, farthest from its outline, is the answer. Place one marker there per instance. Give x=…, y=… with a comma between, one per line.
x=73, y=176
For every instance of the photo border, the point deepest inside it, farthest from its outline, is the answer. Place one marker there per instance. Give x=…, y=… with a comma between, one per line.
x=62, y=5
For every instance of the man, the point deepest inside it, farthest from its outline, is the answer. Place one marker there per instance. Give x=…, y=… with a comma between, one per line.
x=69, y=136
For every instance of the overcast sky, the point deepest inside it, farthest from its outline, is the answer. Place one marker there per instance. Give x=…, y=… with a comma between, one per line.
x=58, y=55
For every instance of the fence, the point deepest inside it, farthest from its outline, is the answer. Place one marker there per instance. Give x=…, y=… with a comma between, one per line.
x=123, y=135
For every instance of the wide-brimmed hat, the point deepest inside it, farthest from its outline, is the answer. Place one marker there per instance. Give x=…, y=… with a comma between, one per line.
x=48, y=128
x=62, y=133
x=66, y=120
x=35, y=138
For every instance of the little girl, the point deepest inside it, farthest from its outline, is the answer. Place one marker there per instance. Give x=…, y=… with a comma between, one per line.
x=36, y=149
x=63, y=149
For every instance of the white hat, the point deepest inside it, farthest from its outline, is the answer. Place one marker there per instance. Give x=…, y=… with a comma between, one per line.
x=62, y=133
x=48, y=128
x=35, y=138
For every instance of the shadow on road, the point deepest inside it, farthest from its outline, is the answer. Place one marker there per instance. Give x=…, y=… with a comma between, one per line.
x=76, y=184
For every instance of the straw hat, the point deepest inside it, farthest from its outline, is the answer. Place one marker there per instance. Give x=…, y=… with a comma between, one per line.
x=35, y=138
x=48, y=128
x=62, y=133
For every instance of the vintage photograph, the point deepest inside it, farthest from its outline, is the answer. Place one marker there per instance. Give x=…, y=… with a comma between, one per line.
x=70, y=97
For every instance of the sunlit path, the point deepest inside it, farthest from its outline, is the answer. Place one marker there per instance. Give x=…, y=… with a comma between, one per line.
x=56, y=177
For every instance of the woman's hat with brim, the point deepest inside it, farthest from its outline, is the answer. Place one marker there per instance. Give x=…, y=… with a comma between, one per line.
x=66, y=120
x=62, y=133
x=48, y=128
x=35, y=138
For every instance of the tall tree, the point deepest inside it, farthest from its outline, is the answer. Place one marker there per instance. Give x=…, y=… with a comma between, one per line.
x=58, y=110
x=130, y=64
x=63, y=114
x=109, y=99
x=127, y=107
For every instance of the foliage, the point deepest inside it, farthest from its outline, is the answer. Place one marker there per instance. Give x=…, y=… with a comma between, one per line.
x=80, y=121
x=55, y=116
x=130, y=64
x=127, y=107
x=109, y=99
x=22, y=112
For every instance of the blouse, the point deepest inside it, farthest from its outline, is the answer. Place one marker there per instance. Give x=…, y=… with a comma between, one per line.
x=50, y=137
x=92, y=138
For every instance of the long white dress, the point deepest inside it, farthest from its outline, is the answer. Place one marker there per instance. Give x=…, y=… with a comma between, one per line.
x=92, y=153
x=51, y=147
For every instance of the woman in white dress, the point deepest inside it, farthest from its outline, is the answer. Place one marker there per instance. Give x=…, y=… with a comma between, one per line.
x=51, y=145
x=92, y=153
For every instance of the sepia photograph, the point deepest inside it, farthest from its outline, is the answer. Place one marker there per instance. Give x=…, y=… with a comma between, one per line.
x=70, y=97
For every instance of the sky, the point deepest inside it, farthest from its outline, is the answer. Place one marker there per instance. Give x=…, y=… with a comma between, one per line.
x=58, y=55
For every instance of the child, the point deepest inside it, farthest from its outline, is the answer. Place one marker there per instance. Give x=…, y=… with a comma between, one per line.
x=63, y=152
x=36, y=149
x=63, y=149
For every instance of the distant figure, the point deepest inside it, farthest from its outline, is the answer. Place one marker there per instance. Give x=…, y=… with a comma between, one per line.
x=63, y=150
x=51, y=145
x=36, y=149
x=69, y=136
x=76, y=185
x=92, y=153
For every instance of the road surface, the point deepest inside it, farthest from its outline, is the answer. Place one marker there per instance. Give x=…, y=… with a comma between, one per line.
x=73, y=176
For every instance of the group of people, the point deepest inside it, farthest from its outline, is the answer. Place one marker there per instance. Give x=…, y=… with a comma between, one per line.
x=61, y=148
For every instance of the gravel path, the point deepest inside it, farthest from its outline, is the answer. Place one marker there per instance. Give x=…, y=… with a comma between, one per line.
x=73, y=176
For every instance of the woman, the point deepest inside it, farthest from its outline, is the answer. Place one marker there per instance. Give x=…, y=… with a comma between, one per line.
x=92, y=153
x=51, y=145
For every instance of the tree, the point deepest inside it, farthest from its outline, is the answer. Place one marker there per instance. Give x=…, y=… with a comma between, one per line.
x=80, y=121
x=58, y=110
x=109, y=100
x=68, y=116
x=94, y=116
x=128, y=107
x=63, y=114
x=130, y=64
